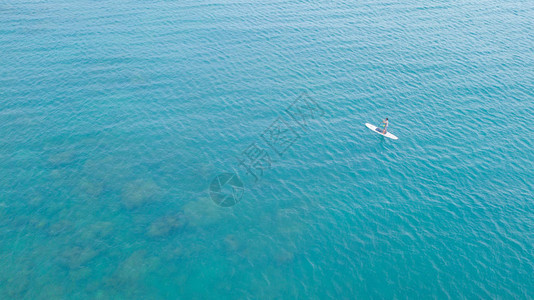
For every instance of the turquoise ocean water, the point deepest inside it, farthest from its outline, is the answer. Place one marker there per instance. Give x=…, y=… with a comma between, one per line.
x=115, y=117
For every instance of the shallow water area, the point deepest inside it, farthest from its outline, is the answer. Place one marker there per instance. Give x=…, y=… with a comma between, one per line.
x=116, y=117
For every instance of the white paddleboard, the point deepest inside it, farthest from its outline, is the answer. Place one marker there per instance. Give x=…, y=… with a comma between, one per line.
x=379, y=131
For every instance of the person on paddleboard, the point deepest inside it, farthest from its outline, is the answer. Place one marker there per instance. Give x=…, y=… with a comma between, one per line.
x=386, y=123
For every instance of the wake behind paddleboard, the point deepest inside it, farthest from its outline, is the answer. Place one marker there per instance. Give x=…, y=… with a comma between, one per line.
x=379, y=131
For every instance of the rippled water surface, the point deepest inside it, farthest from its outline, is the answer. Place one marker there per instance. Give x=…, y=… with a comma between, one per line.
x=115, y=117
